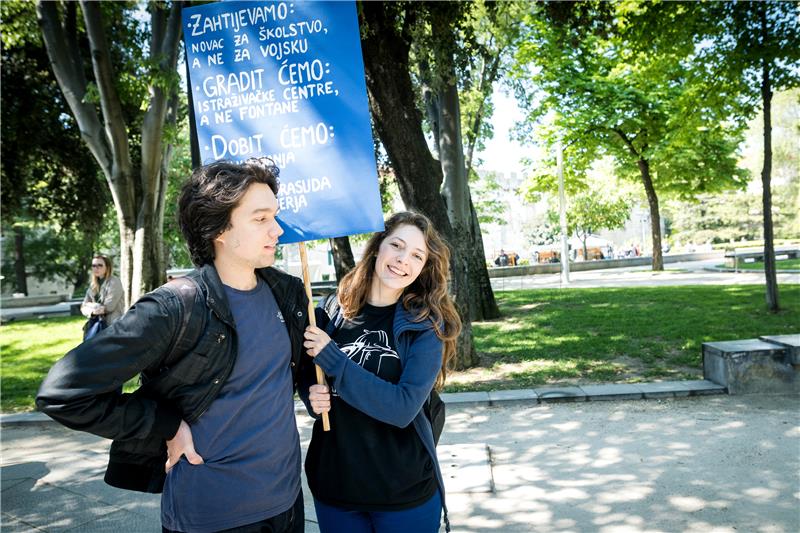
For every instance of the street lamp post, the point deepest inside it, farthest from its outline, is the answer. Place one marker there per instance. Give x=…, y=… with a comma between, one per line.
x=562, y=215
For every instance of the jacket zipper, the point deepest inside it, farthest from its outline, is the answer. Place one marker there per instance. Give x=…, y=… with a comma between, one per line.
x=218, y=383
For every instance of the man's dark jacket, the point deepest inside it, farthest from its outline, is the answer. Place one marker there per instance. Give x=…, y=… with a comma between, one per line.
x=82, y=390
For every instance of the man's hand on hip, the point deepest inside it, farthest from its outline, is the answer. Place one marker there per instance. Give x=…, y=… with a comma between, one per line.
x=181, y=444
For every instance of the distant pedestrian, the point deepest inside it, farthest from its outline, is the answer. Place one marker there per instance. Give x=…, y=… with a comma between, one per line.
x=104, y=301
x=502, y=259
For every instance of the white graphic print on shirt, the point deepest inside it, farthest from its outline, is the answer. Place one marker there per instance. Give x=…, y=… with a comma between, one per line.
x=369, y=351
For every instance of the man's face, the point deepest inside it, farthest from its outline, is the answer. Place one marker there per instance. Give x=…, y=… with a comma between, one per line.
x=251, y=240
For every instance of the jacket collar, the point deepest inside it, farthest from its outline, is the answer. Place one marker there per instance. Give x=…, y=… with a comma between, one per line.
x=217, y=300
x=404, y=320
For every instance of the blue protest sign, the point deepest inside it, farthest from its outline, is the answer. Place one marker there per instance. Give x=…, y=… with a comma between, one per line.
x=286, y=80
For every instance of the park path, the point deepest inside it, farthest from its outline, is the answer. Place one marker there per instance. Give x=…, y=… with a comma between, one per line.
x=690, y=273
x=723, y=464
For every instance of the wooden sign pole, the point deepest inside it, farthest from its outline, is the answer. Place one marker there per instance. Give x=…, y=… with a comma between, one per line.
x=326, y=424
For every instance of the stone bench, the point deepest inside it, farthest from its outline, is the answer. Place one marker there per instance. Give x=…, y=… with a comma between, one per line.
x=741, y=255
x=769, y=364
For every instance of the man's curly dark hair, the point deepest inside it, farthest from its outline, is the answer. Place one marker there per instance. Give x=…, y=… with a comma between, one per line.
x=210, y=195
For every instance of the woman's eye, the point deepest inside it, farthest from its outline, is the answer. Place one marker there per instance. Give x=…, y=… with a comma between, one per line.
x=394, y=245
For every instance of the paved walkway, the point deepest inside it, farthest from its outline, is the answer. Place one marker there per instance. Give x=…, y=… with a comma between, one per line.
x=690, y=273
x=541, y=460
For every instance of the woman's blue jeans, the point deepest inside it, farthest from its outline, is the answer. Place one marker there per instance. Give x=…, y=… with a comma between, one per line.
x=424, y=518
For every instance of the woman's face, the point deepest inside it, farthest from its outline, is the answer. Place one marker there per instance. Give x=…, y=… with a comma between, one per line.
x=98, y=267
x=401, y=257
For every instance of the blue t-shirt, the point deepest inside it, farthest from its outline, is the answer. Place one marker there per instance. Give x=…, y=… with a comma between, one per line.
x=248, y=436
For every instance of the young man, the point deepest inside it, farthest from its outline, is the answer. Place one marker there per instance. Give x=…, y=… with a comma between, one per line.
x=212, y=423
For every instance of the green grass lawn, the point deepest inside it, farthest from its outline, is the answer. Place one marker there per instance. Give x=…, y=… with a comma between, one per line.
x=783, y=264
x=29, y=348
x=545, y=336
x=616, y=335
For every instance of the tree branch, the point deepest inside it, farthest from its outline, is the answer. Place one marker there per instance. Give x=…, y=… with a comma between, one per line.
x=62, y=49
x=116, y=129
x=472, y=136
x=627, y=141
x=153, y=124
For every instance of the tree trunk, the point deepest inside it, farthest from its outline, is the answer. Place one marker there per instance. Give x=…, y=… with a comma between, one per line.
x=343, y=260
x=482, y=303
x=399, y=125
x=655, y=217
x=138, y=195
x=766, y=176
x=460, y=209
x=585, y=248
x=19, y=261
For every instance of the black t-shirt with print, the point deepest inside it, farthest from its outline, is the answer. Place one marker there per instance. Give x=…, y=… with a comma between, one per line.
x=361, y=463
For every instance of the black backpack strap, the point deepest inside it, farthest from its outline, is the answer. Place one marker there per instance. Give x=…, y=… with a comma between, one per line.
x=330, y=306
x=186, y=289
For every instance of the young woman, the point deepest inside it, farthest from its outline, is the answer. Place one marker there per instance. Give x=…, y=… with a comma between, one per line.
x=393, y=328
x=105, y=297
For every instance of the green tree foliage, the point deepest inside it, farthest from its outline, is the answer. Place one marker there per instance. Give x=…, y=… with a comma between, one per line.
x=744, y=51
x=117, y=71
x=736, y=216
x=488, y=193
x=582, y=80
x=53, y=199
x=589, y=213
x=487, y=57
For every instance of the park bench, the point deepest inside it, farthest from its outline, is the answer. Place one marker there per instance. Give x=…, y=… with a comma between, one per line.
x=322, y=288
x=750, y=255
x=768, y=364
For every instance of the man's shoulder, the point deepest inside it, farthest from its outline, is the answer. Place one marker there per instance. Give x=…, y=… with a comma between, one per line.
x=178, y=291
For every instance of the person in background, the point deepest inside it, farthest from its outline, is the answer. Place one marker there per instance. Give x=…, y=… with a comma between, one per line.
x=105, y=297
x=502, y=259
x=394, y=329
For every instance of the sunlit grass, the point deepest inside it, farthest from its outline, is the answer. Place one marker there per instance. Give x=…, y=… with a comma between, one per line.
x=784, y=264
x=28, y=349
x=546, y=336
x=617, y=334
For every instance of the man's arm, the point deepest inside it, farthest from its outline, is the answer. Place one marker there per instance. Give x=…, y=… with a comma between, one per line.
x=82, y=390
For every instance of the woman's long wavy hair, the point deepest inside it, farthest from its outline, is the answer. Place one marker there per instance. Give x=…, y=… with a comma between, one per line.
x=426, y=298
x=94, y=283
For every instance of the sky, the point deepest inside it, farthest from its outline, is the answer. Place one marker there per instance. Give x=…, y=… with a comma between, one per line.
x=501, y=153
